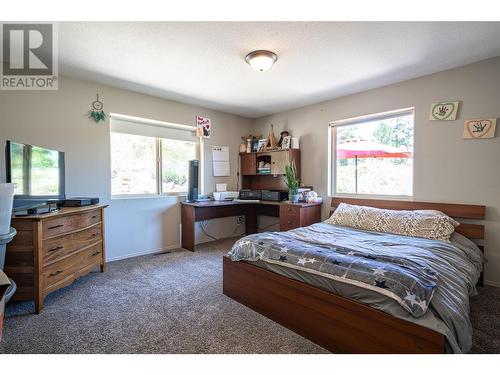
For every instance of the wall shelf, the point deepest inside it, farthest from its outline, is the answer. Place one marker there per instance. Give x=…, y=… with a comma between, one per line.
x=276, y=159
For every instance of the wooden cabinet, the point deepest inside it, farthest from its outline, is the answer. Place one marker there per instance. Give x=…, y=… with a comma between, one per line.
x=299, y=215
x=248, y=164
x=50, y=251
x=277, y=159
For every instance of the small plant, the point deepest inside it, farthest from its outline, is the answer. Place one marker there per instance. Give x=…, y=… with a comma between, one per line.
x=291, y=179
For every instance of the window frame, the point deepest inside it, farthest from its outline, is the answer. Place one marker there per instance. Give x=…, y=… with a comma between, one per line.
x=158, y=168
x=332, y=152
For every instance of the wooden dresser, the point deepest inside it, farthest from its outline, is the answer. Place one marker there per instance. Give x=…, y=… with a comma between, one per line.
x=299, y=215
x=50, y=251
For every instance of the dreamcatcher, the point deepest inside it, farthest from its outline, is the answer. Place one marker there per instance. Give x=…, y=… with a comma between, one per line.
x=96, y=112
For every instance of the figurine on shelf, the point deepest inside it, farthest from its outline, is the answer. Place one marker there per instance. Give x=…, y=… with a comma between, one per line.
x=250, y=143
x=271, y=140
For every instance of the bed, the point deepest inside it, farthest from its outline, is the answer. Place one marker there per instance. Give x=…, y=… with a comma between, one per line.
x=346, y=316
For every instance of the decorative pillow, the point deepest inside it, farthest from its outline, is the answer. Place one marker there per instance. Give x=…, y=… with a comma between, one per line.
x=406, y=223
x=438, y=213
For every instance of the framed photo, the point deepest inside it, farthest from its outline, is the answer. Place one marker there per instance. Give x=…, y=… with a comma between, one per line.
x=261, y=146
x=285, y=145
x=479, y=128
x=444, y=111
x=255, y=145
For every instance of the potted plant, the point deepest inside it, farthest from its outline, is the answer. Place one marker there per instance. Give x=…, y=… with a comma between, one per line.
x=292, y=182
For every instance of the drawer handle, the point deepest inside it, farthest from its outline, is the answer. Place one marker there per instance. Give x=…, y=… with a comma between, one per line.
x=289, y=222
x=56, y=248
x=94, y=216
x=55, y=273
x=56, y=226
x=93, y=235
x=96, y=253
x=290, y=209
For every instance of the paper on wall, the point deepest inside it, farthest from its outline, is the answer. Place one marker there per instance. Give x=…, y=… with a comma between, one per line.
x=220, y=161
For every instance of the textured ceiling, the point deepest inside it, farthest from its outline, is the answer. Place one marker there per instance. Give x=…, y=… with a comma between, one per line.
x=202, y=63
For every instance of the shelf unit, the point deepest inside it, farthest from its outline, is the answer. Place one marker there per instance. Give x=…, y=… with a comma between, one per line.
x=278, y=159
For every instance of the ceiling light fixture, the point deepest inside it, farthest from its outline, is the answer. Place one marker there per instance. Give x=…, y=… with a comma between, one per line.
x=261, y=60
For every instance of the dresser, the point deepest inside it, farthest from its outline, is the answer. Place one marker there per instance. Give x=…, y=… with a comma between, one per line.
x=51, y=251
x=298, y=215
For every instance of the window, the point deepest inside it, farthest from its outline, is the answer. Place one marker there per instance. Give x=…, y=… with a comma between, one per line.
x=174, y=164
x=149, y=163
x=133, y=164
x=373, y=155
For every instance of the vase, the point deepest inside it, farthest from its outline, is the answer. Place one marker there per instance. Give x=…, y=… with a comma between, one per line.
x=294, y=198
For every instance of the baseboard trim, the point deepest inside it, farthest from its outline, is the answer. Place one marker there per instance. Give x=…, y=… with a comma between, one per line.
x=492, y=283
x=164, y=249
x=146, y=252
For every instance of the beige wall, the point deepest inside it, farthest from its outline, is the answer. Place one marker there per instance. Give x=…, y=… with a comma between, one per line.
x=447, y=168
x=58, y=120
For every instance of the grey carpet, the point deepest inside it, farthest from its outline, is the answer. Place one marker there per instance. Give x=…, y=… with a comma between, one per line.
x=173, y=303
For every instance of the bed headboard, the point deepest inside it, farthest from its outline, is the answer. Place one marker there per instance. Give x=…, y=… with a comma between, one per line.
x=457, y=211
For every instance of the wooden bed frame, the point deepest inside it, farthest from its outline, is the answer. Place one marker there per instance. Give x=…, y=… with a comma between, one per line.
x=336, y=323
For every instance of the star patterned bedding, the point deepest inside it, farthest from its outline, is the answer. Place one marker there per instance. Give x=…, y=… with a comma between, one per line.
x=414, y=272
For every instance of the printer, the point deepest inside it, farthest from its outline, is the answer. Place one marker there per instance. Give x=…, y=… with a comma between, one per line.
x=225, y=195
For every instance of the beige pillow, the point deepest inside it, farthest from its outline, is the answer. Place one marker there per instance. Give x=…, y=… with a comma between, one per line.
x=438, y=213
x=406, y=223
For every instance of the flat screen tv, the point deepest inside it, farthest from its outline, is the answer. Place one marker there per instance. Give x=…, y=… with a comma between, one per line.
x=37, y=172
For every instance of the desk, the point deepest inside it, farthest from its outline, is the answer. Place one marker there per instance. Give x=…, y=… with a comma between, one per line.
x=292, y=215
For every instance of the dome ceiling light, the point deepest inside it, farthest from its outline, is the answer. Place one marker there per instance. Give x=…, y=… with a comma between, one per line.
x=261, y=60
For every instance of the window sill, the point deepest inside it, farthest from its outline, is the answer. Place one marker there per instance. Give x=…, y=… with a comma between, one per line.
x=373, y=196
x=149, y=196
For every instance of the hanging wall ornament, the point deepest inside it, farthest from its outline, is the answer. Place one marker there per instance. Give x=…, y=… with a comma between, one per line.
x=96, y=112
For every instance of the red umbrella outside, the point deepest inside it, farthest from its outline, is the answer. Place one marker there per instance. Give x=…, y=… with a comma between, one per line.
x=368, y=149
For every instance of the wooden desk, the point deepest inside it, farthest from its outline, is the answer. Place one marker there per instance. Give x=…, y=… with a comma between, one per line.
x=292, y=215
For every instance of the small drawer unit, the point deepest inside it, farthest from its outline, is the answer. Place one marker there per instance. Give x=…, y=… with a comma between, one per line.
x=298, y=215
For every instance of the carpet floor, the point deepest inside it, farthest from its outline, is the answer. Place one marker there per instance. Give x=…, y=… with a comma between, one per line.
x=173, y=303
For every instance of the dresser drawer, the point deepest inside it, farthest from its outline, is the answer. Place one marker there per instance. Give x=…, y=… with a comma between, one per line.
x=289, y=222
x=59, y=247
x=65, y=224
x=289, y=210
x=59, y=271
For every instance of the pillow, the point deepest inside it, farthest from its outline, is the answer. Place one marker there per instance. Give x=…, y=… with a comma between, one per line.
x=406, y=223
x=438, y=213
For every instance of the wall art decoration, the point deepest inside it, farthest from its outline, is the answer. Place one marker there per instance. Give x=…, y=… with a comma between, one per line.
x=96, y=112
x=203, y=127
x=480, y=128
x=444, y=111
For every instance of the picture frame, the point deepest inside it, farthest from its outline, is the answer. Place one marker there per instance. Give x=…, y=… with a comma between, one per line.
x=203, y=127
x=479, y=128
x=444, y=111
x=261, y=146
x=285, y=145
